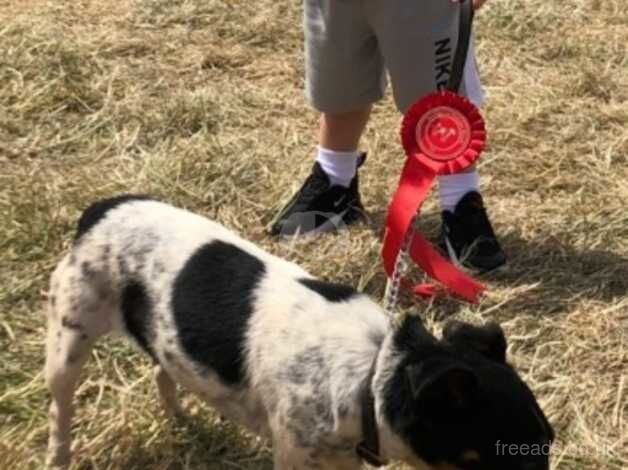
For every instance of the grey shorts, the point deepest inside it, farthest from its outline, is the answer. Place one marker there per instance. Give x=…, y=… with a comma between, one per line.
x=349, y=45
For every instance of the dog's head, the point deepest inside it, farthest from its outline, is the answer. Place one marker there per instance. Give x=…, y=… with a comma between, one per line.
x=458, y=405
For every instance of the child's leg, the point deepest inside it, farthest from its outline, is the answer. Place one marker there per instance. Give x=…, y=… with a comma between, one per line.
x=418, y=41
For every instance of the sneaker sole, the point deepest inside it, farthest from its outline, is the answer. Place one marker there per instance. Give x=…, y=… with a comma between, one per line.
x=469, y=268
x=333, y=224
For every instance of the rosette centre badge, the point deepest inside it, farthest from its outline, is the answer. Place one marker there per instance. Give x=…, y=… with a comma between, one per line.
x=443, y=133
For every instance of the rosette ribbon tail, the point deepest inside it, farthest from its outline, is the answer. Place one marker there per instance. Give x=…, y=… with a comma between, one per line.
x=414, y=186
x=441, y=270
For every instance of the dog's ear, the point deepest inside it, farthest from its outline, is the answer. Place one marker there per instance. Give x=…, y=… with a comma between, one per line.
x=489, y=340
x=438, y=385
x=412, y=332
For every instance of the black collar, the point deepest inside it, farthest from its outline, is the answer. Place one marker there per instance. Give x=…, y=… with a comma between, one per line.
x=368, y=449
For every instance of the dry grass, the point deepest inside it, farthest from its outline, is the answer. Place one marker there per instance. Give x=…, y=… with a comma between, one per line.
x=200, y=103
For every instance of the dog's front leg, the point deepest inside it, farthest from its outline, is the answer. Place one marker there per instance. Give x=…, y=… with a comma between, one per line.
x=167, y=393
x=288, y=456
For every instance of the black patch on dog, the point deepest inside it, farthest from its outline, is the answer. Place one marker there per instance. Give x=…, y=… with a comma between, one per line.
x=87, y=270
x=137, y=314
x=97, y=211
x=332, y=292
x=212, y=303
x=70, y=324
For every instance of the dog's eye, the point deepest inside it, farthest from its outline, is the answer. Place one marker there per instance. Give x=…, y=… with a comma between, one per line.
x=470, y=456
x=469, y=460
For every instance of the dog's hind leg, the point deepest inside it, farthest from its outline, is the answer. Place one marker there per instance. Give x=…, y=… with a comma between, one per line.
x=167, y=392
x=77, y=315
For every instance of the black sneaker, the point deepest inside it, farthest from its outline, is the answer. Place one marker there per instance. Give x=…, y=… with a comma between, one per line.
x=468, y=237
x=320, y=206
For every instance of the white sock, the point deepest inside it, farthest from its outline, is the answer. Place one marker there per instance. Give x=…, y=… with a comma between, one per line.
x=339, y=166
x=452, y=188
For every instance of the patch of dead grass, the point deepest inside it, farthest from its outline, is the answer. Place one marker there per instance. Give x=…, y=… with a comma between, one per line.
x=201, y=104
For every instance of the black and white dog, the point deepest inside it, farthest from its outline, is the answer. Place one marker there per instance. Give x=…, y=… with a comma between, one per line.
x=313, y=366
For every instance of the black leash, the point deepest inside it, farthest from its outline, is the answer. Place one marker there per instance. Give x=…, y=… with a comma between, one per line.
x=465, y=28
x=368, y=449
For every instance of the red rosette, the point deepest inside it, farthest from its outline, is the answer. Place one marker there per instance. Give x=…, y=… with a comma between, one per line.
x=444, y=131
